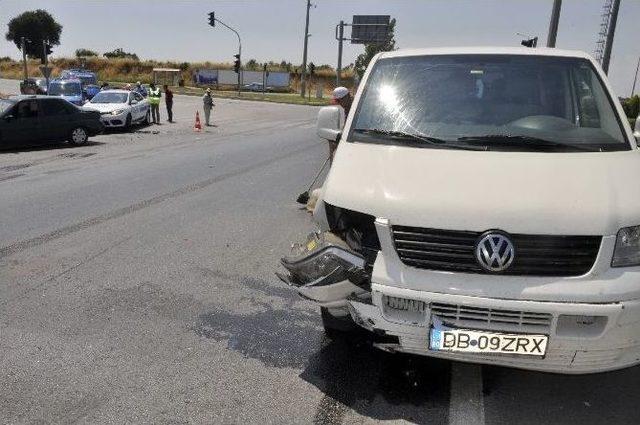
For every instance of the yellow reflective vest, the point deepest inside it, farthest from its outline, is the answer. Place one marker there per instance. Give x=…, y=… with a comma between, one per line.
x=154, y=96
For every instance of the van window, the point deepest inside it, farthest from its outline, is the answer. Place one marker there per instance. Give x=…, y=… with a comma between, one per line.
x=64, y=89
x=463, y=97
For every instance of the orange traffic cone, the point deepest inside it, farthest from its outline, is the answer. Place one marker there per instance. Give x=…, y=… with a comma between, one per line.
x=197, y=126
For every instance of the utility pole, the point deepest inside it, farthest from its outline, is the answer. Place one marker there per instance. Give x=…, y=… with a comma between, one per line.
x=553, y=24
x=23, y=47
x=304, y=52
x=340, y=38
x=633, y=89
x=612, y=30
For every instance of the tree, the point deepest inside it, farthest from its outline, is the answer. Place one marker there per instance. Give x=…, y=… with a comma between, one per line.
x=120, y=54
x=370, y=50
x=251, y=65
x=36, y=26
x=631, y=106
x=85, y=52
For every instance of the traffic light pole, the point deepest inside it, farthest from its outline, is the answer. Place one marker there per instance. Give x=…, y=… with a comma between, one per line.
x=340, y=37
x=239, y=49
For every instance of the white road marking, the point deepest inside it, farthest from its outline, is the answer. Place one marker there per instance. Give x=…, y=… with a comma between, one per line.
x=466, y=402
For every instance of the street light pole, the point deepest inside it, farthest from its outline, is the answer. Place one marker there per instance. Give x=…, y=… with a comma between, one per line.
x=553, y=24
x=633, y=89
x=610, y=33
x=339, y=67
x=23, y=47
x=304, y=52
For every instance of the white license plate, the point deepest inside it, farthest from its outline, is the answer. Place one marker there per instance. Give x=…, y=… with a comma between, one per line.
x=472, y=341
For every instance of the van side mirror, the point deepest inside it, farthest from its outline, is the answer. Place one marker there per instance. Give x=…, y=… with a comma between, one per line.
x=330, y=123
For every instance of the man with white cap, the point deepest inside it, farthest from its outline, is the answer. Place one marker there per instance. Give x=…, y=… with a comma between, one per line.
x=341, y=97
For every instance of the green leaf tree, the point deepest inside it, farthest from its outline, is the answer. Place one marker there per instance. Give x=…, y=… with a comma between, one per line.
x=85, y=52
x=35, y=26
x=370, y=50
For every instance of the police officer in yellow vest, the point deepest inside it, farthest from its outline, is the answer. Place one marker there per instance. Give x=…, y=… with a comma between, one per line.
x=154, y=102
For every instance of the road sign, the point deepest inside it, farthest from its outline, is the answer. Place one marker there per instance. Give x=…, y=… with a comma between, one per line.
x=46, y=71
x=370, y=29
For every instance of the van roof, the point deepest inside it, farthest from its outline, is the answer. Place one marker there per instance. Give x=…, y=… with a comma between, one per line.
x=537, y=51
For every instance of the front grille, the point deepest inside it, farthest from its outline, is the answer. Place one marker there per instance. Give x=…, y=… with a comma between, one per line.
x=465, y=316
x=536, y=255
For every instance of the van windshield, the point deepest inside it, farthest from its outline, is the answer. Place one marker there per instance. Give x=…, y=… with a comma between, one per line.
x=500, y=102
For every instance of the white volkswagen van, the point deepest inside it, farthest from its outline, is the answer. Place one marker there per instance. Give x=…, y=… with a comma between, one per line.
x=483, y=206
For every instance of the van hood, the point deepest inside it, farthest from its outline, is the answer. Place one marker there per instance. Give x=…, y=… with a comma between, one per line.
x=593, y=193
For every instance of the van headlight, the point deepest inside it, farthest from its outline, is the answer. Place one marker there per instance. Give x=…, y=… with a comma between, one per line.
x=627, y=250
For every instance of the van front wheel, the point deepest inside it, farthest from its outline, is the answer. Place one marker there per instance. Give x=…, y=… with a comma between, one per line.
x=336, y=327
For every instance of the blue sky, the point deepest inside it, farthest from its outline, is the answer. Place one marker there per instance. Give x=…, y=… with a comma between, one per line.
x=273, y=29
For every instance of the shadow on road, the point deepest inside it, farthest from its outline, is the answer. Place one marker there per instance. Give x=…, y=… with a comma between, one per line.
x=352, y=373
x=49, y=147
x=525, y=397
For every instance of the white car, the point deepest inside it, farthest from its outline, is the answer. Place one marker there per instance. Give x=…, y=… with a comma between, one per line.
x=482, y=206
x=120, y=108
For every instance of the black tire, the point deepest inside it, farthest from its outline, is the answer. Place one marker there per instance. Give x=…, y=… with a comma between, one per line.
x=337, y=327
x=127, y=122
x=78, y=136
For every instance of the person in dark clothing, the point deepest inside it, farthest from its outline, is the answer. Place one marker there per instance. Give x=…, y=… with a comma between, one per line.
x=168, y=98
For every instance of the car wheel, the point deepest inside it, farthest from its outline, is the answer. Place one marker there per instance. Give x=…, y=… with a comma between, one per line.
x=337, y=327
x=127, y=122
x=78, y=136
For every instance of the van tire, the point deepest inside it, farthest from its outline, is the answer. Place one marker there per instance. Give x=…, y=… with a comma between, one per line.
x=336, y=327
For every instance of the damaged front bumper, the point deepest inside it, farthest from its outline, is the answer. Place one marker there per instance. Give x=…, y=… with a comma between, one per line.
x=325, y=270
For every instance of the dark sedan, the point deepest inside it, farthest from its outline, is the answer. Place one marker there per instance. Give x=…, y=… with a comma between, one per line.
x=39, y=120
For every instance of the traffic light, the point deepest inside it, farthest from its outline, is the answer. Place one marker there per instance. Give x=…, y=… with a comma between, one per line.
x=532, y=42
x=212, y=19
x=236, y=63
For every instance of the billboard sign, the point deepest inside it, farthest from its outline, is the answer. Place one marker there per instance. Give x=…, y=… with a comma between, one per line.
x=367, y=29
x=206, y=76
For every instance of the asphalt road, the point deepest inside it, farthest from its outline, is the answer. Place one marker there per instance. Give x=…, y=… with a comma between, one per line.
x=137, y=285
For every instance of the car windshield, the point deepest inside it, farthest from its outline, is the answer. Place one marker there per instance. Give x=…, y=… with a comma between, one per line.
x=502, y=102
x=6, y=104
x=107, y=97
x=65, y=89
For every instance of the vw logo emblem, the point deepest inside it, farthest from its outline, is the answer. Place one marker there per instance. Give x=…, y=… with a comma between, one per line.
x=494, y=252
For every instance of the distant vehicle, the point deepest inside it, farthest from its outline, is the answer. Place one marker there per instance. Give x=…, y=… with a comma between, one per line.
x=120, y=108
x=256, y=87
x=33, y=86
x=87, y=77
x=38, y=120
x=70, y=90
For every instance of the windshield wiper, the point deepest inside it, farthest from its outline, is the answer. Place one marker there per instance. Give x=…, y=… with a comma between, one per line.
x=507, y=140
x=419, y=139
